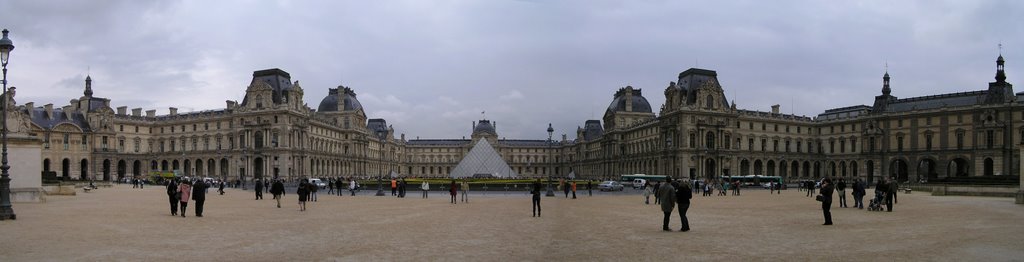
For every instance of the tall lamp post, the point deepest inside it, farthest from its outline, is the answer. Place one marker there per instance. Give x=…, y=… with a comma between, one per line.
x=6, y=212
x=380, y=170
x=550, y=192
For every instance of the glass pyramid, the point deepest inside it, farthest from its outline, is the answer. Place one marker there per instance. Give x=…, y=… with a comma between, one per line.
x=483, y=161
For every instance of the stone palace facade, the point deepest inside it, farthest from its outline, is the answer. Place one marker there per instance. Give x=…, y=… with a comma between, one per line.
x=697, y=133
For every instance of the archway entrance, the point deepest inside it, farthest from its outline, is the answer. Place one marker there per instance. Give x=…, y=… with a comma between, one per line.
x=709, y=168
x=771, y=168
x=137, y=167
x=122, y=169
x=926, y=170
x=758, y=167
x=187, y=168
x=257, y=166
x=957, y=168
x=66, y=169
x=106, y=169
x=898, y=169
x=84, y=175
x=199, y=168
x=224, y=167
x=744, y=167
x=989, y=167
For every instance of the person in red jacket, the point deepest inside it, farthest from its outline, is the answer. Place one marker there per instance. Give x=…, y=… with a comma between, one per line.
x=453, y=190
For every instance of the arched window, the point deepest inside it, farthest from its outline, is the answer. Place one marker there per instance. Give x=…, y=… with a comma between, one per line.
x=710, y=137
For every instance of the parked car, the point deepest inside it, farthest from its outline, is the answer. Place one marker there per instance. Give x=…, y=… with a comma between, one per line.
x=319, y=183
x=639, y=183
x=610, y=186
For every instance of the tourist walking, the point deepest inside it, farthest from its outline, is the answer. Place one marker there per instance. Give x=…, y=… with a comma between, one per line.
x=565, y=188
x=426, y=188
x=184, y=192
x=683, y=196
x=266, y=185
x=401, y=188
x=172, y=196
x=574, y=189
x=277, y=190
x=199, y=195
x=303, y=192
x=535, y=192
x=465, y=190
x=826, y=200
x=352, y=186
x=841, y=188
x=890, y=193
x=259, y=190
x=394, y=187
x=312, y=191
x=657, y=197
x=221, y=188
x=453, y=190
x=667, y=194
x=330, y=187
x=858, y=194
x=648, y=189
x=590, y=190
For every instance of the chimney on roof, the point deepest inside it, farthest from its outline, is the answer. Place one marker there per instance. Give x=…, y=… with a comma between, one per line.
x=174, y=111
x=136, y=111
x=229, y=104
x=150, y=113
x=74, y=102
x=67, y=111
x=564, y=138
x=775, y=109
x=49, y=110
x=122, y=110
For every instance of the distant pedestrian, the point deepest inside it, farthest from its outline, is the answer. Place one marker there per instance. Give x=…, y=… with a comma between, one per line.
x=401, y=188
x=683, y=196
x=667, y=194
x=465, y=190
x=266, y=186
x=425, y=187
x=330, y=187
x=172, y=196
x=303, y=192
x=826, y=200
x=394, y=187
x=535, y=192
x=312, y=191
x=841, y=188
x=565, y=188
x=259, y=190
x=352, y=186
x=199, y=195
x=590, y=188
x=278, y=191
x=184, y=193
x=453, y=191
x=858, y=194
x=890, y=193
x=221, y=185
x=657, y=188
x=648, y=190
x=574, y=189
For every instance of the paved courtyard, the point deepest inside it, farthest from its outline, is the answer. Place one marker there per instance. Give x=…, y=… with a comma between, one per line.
x=122, y=223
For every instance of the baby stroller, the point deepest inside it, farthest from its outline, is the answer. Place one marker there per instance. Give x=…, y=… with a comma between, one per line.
x=876, y=203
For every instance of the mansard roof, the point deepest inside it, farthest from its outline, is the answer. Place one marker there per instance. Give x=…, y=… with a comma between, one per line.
x=40, y=118
x=438, y=142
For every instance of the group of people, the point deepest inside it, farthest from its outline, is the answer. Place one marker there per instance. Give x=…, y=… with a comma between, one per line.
x=886, y=189
x=673, y=194
x=179, y=192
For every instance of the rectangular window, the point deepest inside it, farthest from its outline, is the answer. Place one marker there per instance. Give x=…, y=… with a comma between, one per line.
x=46, y=141
x=764, y=144
x=990, y=139
x=750, y=144
x=959, y=140
x=799, y=146
x=85, y=143
x=842, y=146
x=832, y=147
x=775, y=145
x=871, y=144
x=136, y=146
x=853, y=145
x=120, y=145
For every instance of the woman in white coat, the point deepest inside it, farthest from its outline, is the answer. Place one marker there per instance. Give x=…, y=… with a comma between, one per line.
x=426, y=188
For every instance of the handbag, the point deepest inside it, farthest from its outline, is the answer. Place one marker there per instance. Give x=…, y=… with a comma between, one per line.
x=818, y=198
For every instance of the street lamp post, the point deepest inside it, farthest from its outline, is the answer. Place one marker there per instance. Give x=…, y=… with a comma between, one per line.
x=6, y=212
x=380, y=170
x=550, y=192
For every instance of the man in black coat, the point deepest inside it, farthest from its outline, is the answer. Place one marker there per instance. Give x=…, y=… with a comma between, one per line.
x=199, y=195
x=172, y=194
x=535, y=192
x=683, y=196
x=858, y=194
x=826, y=200
x=277, y=190
x=841, y=187
x=259, y=190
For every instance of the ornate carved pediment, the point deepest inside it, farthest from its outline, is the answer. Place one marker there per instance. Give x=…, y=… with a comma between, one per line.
x=872, y=128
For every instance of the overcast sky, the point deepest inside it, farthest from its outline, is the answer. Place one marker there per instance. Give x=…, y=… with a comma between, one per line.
x=431, y=67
